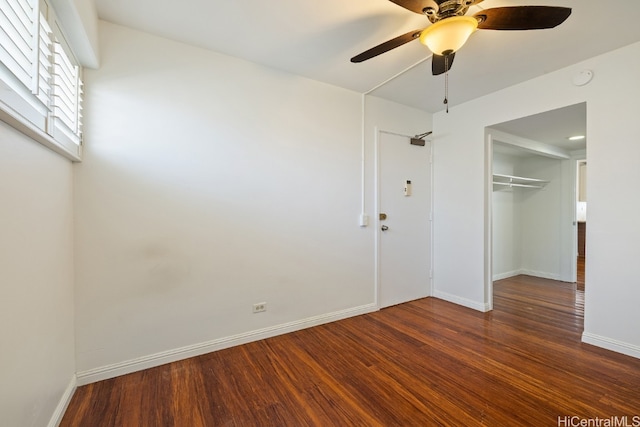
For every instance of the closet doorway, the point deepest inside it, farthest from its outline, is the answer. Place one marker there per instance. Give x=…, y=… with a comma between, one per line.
x=533, y=196
x=581, y=219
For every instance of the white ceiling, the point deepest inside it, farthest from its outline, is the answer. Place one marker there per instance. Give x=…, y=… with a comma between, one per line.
x=550, y=127
x=316, y=39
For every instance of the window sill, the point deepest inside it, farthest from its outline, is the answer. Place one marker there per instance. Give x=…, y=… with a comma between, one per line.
x=21, y=124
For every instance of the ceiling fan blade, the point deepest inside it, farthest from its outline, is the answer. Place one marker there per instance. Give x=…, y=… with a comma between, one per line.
x=440, y=64
x=387, y=46
x=522, y=17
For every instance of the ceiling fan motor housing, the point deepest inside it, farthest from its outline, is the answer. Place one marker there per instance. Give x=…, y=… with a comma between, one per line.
x=437, y=10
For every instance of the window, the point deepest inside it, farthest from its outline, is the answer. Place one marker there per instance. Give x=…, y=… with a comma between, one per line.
x=66, y=93
x=17, y=24
x=40, y=80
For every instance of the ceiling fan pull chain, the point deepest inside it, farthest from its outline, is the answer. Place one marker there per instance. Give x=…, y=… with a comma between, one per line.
x=446, y=82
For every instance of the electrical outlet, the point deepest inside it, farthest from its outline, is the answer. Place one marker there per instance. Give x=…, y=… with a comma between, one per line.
x=260, y=307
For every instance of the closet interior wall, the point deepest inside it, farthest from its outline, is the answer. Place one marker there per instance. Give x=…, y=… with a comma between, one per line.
x=527, y=220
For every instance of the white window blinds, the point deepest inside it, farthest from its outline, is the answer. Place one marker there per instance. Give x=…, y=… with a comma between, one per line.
x=39, y=69
x=67, y=95
x=17, y=34
x=43, y=85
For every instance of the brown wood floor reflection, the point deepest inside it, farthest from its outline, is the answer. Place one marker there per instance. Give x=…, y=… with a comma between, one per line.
x=422, y=363
x=580, y=275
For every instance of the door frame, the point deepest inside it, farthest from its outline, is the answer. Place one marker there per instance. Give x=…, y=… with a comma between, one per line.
x=572, y=177
x=488, y=222
x=378, y=231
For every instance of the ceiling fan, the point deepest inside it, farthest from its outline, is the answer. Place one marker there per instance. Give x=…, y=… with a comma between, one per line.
x=450, y=28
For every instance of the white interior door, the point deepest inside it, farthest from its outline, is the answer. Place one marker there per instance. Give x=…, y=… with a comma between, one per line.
x=403, y=219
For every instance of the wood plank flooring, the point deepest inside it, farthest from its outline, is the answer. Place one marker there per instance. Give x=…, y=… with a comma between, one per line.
x=580, y=266
x=422, y=363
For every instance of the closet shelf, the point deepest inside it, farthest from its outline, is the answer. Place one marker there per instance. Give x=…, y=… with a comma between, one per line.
x=518, y=181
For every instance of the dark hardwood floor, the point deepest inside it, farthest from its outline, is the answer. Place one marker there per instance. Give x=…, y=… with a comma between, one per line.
x=580, y=270
x=422, y=363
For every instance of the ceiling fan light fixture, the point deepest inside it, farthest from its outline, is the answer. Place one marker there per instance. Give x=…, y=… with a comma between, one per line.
x=448, y=35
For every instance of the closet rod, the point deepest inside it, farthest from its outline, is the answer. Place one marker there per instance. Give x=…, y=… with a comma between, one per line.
x=511, y=184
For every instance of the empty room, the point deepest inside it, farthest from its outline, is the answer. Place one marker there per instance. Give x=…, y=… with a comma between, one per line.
x=287, y=213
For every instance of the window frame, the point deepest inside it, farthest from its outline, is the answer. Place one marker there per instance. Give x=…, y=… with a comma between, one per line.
x=35, y=106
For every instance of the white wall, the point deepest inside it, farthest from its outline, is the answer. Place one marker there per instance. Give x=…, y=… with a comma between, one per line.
x=210, y=184
x=530, y=225
x=613, y=103
x=507, y=228
x=582, y=182
x=541, y=218
x=37, y=362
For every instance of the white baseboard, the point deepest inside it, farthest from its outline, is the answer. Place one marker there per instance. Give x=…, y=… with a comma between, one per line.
x=484, y=307
x=56, y=418
x=542, y=274
x=153, y=360
x=506, y=275
x=534, y=273
x=611, y=344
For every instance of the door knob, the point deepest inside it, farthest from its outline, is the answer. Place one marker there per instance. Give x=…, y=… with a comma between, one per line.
x=384, y=228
